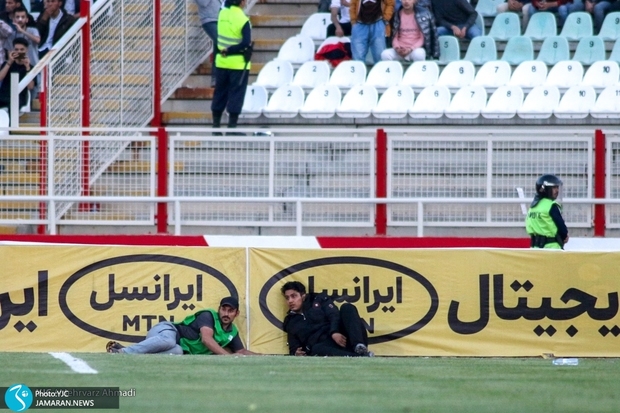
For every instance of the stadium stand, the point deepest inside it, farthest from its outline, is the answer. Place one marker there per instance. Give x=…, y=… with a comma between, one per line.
x=576, y=103
x=449, y=49
x=256, y=98
x=503, y=103
x=540, y=103
x=322, y=102
x=394, y=102
x=312, y=74
x=481, y=49
x=348, y=74
x=285, y=102
x=578, y=25
x=359, y=102
x=420, y=75
x=541, y=26
x=275, y=74
x=493, y=74
x=565, y=74
x=431, y=102
x=505, y=26
x=385, y=74
x=457, y=74
x=610, y=30
x=518, y=50
x=602, y=74
x=467, y=102
x=315, y=26
x=554, y=49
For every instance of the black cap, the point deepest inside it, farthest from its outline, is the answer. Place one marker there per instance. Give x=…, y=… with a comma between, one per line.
x=230, y=301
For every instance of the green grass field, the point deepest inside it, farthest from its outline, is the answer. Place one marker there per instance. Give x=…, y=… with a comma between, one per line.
x=276, y=384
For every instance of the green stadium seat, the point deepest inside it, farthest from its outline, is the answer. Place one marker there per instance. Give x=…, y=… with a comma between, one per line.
x=505, y=26
x=541, y=25
x=590, y=49
x=449, y=49
x=518, y=49
x=481, y=49
x=610, y=30
x=554, y=49
x=578, y=24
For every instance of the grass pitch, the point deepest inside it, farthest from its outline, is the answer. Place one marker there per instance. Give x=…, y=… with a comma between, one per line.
x=275, y=384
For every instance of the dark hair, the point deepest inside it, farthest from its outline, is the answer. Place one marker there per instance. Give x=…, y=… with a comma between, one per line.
x=20, y=40
x=294, y=285
x=20, y=9
x=233, y=3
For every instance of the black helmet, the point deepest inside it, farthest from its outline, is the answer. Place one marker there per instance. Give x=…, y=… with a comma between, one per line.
x=545, y=183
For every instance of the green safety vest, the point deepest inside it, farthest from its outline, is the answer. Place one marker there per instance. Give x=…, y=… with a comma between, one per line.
x=221, y=337
x=539, y=222
x=229, y=25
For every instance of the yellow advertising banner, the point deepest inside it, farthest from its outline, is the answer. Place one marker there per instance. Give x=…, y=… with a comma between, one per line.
x=451, y=302
x=76, y=298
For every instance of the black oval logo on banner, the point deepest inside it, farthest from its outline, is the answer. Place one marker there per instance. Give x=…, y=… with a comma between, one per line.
x=138, y=258
x=373, y=262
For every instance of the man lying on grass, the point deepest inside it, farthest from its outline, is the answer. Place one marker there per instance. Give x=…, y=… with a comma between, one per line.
x=205, y=332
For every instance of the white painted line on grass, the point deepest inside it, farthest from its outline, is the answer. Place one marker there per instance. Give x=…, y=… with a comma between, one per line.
x=76, y=364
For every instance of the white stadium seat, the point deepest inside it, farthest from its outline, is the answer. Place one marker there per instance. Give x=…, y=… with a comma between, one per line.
x=274, y=74
x=358, y=102
x=576, y=103
x=394, y=103
x=529, y=74
x=315, y=26
x=602, y=74
x=431, y=102
x=421, y=74
x=285, y=102
x=540, y=103
x=565, y=74
x=297, y=50
x=348, y=74
x=254, y=102
x=322, y=102
x=503, y=103
x=608, y=103
x=385, y=74
x=4, y=121
x=493, y=75
x=467, y=103
x=312, y=74
x=457, y=74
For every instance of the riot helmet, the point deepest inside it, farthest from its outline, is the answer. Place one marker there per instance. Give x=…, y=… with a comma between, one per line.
x=545, y=185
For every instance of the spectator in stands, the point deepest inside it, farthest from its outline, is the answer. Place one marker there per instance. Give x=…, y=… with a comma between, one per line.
x=73, y=7
x=208, y=10
x=6, y=31
x=517, y=6
x=11, y=6
x=324, y=6
x=17, y=62
x=370, y=20
x=31, y=34
x=234, y=43
x=341, y=19
x=36, y=6
x=53, y=23
x=598, y=9
x=561, y=7
x=456, y=17
x=414, y=33
x=614, y=7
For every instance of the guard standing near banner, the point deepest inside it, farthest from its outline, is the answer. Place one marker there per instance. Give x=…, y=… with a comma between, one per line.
x=234, y=44
x=544, y=222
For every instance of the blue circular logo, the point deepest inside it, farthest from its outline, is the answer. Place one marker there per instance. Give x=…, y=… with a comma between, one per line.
x=18, y=397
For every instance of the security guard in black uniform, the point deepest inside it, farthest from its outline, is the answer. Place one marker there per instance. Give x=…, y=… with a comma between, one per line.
x=544, y=222
x=234, y=47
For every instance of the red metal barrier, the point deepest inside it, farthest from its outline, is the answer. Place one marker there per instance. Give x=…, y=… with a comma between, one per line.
x=599, y=182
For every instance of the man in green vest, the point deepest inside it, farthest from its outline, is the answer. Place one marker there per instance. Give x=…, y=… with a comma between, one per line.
x=544, y=222
x=234, y=45
x=205, y=332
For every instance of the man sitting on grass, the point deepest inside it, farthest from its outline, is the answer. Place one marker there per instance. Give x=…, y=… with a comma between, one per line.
x=315, y=326
x=205, y=332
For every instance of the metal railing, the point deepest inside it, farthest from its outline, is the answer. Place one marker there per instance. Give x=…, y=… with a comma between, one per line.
x=301, y=178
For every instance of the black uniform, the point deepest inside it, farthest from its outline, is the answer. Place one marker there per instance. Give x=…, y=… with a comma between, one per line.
x=312, y=328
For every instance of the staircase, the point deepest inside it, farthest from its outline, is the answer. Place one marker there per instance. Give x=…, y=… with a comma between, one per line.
x=272, y=23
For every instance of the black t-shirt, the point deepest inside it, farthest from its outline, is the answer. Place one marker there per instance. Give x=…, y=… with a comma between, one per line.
x=5, y=87
x=205, y=319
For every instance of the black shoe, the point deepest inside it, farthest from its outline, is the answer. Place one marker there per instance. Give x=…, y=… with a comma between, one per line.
x=114, y=347
x=362, y=350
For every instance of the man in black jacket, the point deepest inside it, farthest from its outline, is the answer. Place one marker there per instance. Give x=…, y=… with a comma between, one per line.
x=316, y=327
x=53, y=23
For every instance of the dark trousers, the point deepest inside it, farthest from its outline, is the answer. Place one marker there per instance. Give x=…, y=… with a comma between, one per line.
x=346, y=28
x=352, y=327
x=229, y=92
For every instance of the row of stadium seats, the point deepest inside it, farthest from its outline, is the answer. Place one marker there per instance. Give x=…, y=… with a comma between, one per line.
x=454, y=76
x=300, y=49
x=398, y=101
x=506, y=25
